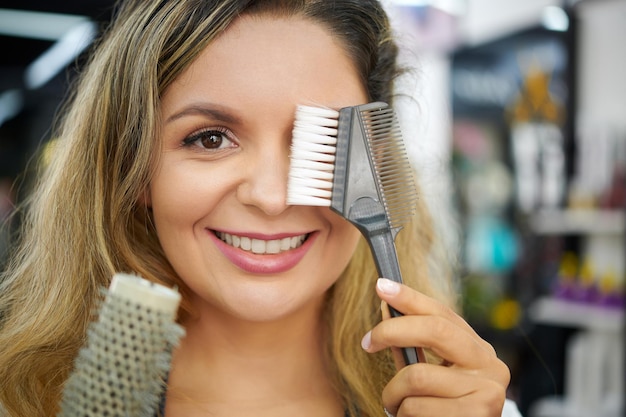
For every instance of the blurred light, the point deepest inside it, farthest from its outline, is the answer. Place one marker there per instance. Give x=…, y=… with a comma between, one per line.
x=555, y=18
x=453, y=7
x=37, y=25
x=506, y=314
x=59, y=55
x=71, y=34
x=11, y=103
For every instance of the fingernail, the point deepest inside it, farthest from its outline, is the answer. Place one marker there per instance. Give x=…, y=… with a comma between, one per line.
x=388, y=286
x=366, y=342
x=387, y=413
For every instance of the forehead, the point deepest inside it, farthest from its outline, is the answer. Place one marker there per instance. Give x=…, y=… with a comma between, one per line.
x=286, y=58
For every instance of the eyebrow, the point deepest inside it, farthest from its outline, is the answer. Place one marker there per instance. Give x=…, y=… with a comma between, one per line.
x=210, y=110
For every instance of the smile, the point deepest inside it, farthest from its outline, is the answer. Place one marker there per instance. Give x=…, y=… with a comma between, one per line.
x=259, y=246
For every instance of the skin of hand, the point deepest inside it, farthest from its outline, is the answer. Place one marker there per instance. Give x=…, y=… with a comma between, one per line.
x=471, y=376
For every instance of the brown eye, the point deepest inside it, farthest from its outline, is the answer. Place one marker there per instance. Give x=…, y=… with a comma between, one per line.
x=210, y=139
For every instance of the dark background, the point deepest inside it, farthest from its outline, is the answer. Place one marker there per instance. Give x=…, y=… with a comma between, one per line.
x=21, y=135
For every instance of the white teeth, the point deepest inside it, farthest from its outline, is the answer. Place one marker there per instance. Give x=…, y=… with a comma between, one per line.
x=272, y=246
x=261, y=247
x=257, y=246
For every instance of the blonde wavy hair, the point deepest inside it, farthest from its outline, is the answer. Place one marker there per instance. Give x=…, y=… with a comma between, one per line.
x=83, y=220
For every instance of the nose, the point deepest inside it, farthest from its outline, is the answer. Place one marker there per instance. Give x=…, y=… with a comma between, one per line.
x=265, y=183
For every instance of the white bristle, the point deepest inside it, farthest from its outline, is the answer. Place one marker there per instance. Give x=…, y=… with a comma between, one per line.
x=330, y=115
x=314, y=130
x=122, y=369
x=312, y=156
x=307, y=147
x=309, y=158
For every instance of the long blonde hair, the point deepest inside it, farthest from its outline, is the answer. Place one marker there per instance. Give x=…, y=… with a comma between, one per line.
x=83, y=220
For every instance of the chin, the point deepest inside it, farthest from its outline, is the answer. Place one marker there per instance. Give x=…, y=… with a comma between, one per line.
x=271, y=306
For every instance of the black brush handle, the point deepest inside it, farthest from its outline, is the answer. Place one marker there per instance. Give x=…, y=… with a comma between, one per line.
x=369, y=216
x=386, y=260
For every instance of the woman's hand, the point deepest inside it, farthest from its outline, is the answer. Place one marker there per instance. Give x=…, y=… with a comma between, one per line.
x=471, y=381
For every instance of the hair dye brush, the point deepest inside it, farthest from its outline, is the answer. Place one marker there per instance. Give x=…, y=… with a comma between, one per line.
x=121, y=371
x=354, y=161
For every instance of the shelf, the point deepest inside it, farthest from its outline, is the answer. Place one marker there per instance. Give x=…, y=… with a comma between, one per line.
x=578, y=221
x=571, y=314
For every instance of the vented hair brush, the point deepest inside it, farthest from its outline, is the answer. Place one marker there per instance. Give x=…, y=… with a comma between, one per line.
x=354, y=161
x=121, y=371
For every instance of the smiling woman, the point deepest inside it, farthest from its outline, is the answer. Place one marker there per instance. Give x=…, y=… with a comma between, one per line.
x=242, y=152
x=172, y=164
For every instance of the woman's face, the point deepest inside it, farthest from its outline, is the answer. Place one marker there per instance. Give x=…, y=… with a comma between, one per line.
x=218, y=195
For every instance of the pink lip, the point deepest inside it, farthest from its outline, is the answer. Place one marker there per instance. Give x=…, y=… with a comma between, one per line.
x=264, y=264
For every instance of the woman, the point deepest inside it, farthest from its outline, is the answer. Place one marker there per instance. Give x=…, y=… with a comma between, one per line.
x=173, y=145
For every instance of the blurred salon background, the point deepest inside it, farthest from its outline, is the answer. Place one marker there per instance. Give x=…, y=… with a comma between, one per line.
x=517, y=125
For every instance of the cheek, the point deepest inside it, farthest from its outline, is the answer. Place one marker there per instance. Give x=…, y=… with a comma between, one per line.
x=351, y=239
x=181, y=196
x=181, y=201
x=345, y=238
x=172, y=199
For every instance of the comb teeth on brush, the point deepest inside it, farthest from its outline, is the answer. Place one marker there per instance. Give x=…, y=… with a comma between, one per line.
x=354, y=161
x=121, y=371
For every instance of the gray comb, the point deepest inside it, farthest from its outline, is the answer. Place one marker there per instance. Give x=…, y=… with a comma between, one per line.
x=355, y=162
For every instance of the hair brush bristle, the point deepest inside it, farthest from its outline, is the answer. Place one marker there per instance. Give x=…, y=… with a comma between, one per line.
x=121, y=371
x=313, y=151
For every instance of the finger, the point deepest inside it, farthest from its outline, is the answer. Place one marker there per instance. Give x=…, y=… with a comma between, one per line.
x=425, y=380
x=412, y=302
x=434, y=332
x=479, y=404
x=396, y=353
x=398, y=358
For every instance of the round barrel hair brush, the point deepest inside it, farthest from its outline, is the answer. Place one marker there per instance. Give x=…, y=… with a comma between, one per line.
x=122, y=369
